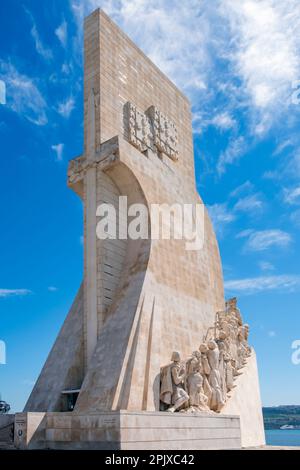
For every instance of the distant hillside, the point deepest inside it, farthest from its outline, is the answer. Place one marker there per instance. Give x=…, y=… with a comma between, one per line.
x=276, y=416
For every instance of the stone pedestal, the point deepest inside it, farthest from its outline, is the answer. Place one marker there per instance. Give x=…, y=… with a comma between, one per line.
x=125, y=430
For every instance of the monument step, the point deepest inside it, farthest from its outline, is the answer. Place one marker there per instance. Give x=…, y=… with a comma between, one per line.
x=130, y=430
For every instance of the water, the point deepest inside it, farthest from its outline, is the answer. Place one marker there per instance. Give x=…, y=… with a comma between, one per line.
x=283, y=437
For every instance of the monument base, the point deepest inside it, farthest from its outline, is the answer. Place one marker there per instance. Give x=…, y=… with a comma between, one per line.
x=6, y=431
x=127, y=430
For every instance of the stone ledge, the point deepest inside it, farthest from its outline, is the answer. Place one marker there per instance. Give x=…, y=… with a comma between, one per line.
x=131, y=430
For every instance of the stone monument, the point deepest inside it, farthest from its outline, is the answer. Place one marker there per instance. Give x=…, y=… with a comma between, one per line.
x=150, y=356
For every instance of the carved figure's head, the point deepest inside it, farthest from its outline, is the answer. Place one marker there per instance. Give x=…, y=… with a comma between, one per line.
x=222, y=335
x=212, y=345
x=175, y=356
x=194, y=366
x=203, y=348
x=196, y=354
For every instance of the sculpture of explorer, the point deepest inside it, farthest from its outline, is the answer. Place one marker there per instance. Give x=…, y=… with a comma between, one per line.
x=172, y=381
x=197, y=399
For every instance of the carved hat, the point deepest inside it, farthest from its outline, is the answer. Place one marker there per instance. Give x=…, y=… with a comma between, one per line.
x=175, y=356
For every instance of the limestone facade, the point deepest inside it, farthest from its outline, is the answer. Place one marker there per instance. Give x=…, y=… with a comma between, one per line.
x=140, y=299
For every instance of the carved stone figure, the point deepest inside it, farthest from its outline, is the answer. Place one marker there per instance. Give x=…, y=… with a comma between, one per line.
x=205, y=369
x=209, y=373
x=218, y=399
x=223, y=350
x=246, y=327
x=233, y=310
x=229, y=370
x=233, y=341
x=172, y=384
x=243, y=349
x=197, y=399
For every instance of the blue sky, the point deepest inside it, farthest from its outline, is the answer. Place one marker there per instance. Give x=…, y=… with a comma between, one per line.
x=239, y=63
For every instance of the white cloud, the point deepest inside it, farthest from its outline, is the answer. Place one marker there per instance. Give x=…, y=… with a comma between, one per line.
x=223, y=121
x=295, y=217
x=283, y=146
x=162, y=30
x=183, y=56
x=244, y=233
x=264, y=53
x=293, y=168
x=292, y=196
x=271, y=175
x=58, y=149
x=198, y=122
x=235, y=150
x=272, y=333
x=2, y=92
x=245, y=187
x=62, y=33
x=252, y=204
x=266, y=266
x=41, y=49
x=66, y=107
x=14, y=292
x=230, y=56
x=264, y=239
x=81, y=8
x=52, y=289
x=220, y=216
x=65, y=68
x=23, y=95
x=282, y=283
x=288, y=168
